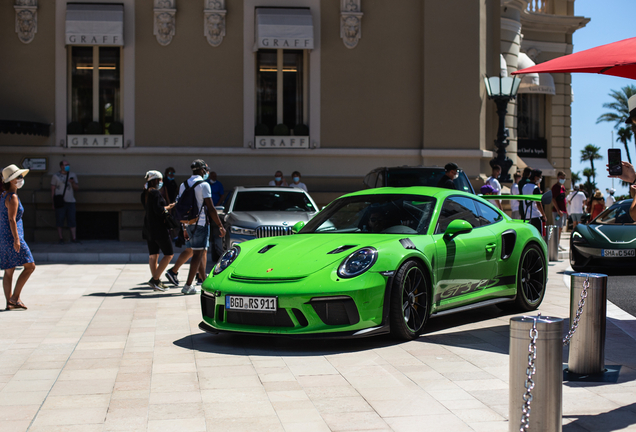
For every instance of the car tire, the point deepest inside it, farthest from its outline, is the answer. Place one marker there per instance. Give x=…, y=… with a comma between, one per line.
x=409, y=303
x=575, y=259
x=531, y=278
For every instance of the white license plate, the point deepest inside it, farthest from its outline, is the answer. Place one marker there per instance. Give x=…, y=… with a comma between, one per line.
x=618, y=253
x=248, y=303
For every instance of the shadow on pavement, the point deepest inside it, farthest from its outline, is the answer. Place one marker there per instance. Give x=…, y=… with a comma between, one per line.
x=279, y=346
x=617, y=419
x=137, y=293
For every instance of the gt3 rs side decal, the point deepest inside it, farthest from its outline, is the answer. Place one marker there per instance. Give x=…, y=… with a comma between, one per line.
x=447, y=291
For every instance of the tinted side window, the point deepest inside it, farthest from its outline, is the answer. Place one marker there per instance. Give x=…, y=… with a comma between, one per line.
x=457, y=208
x=227, y=201
x=380, y=182
x=462, y=183
x=370, y=179
x=488, y=214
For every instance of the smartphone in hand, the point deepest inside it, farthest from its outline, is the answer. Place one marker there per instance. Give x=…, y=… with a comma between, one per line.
x=614, y=162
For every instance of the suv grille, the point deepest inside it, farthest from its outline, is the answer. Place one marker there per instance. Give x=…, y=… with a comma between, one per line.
x=272, y=231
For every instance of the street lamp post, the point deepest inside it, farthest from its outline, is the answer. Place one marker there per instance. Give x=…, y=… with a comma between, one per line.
x=502, y=90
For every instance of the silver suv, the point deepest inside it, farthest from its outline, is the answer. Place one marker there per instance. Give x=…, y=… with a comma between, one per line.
x=255, y=212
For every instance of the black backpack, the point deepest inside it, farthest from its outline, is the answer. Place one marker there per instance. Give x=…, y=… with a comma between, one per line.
x=186, y=208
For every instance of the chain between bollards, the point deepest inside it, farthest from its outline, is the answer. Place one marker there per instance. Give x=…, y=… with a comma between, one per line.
x=579, y=311
x=530, y=371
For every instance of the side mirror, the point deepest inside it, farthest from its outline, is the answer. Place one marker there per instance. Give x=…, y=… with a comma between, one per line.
x=298, y=226
x=458, y=226
x=546, y=198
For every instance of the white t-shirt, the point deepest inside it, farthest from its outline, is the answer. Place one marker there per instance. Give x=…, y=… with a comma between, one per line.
x=300, y=185
x=201, y=192
x=58, y=180
x=273, y=183
x=528, y=189
x=514, y=190
x=576, y=201
x=609, y=201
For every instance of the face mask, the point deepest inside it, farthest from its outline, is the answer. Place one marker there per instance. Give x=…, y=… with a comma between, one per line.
x=19, y=183
x=562, y=181
x=296, y=179
x=160, y=185
x=278, y=178
x=456, y=176
x=205, y=176
x=67, y=168
x=170, y=178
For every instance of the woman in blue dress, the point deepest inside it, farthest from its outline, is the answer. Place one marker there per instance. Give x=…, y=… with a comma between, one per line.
x=13, y=249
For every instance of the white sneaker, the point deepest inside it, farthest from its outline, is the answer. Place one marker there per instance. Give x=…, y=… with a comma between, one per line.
x=190, y=289
x=561, y=248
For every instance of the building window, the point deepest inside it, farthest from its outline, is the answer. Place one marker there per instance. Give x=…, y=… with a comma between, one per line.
x=531, y=116
x=94, y=98
x=281, y=92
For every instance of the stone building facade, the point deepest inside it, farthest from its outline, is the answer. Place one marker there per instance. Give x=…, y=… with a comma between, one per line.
x=331, y=88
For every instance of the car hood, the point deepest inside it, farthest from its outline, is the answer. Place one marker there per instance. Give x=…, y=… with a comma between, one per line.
x=297, y=256
x=258, y=218
x=612, y=233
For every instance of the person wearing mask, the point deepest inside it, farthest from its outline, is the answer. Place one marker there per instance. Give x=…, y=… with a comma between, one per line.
x=14, y=251
x=610, y=197
x=629, y=174
x=198, y=229
x=452, y=172
x=279, y=180
x=514, y=190
x=63, y=184
x=216, y=187
x=155, y=231
x=533, y=210
x=170, y=187
x=575, y=200
x=296, y=181
x=596, y=204
x=494, y=183
x=559, y=210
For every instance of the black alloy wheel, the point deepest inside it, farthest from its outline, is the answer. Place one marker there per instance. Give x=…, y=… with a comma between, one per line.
x=409, y=301
x=531, y=279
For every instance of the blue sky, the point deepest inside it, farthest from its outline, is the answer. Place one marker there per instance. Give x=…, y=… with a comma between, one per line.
x=611, y=21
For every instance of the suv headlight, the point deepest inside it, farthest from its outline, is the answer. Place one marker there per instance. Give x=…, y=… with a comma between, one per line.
x=227, y=259
x=242, y=231
x=358, y=262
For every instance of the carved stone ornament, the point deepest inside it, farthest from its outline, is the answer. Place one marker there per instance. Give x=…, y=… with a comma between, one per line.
x=214, y=21
x=164, y=26
x=350, y=22
x=26, y=19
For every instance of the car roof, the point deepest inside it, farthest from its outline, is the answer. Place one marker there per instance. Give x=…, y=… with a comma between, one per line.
x=269, y=189
x=412, y=190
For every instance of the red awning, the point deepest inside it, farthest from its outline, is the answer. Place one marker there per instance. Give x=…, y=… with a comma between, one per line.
x=617, y=59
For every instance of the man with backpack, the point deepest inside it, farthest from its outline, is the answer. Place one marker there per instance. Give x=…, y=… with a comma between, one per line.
x=195, y=210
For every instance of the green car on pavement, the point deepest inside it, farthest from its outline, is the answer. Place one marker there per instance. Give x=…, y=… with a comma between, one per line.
x=378, y=261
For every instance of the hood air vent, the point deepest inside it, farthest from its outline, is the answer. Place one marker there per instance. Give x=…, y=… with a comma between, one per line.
x=266, y=248
x=341, y=249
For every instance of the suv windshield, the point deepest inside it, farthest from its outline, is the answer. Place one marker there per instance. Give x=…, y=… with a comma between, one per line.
x=384, y=214
x=617, y=214
x=272, y=201
x=403, y=177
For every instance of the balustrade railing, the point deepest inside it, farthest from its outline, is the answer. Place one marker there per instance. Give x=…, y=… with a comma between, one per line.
x=539, y=6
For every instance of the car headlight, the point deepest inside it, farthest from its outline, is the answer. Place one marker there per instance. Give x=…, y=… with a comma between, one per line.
x=227, y=259
x=242, y=231
x=358, y=262
x=577, y=238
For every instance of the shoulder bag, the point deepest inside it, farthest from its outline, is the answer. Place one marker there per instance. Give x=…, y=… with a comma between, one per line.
x=58, y=200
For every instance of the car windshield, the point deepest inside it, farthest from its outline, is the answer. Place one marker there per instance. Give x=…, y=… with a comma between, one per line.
x=250, y=201
x=618, y=214
x=384, y=214
x=404, y=177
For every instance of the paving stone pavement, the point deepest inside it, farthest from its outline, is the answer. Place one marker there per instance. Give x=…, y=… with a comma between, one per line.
x=98, y=351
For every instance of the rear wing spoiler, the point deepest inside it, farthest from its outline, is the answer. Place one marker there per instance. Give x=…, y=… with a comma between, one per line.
x=545, y=199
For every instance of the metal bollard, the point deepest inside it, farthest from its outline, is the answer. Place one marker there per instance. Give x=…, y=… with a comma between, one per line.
x=552, y=240
x=547, y=394
x=587, y=346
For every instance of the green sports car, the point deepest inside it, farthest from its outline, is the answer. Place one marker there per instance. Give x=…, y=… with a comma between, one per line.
x=378, y=261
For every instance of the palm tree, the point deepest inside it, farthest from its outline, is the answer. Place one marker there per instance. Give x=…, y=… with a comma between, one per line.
x=589, y=186
x=625, y=135
x=591, y=153
x=619, y=109
x=575, y=178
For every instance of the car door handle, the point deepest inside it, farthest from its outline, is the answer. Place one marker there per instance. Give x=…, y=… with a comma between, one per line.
x=491, y=247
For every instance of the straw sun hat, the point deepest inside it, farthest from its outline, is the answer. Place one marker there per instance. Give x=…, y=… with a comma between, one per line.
x=11, y=172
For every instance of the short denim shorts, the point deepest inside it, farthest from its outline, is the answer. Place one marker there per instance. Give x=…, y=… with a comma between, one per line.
x=199, y=237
